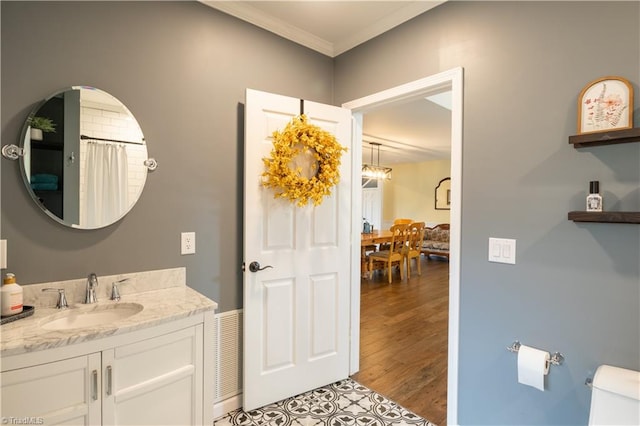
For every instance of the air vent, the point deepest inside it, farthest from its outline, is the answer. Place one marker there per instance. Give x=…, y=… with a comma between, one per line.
x=229, y=354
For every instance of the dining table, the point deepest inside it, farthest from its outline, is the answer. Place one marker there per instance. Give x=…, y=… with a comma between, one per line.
x=380, y=236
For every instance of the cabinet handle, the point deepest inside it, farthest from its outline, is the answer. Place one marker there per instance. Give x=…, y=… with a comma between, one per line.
x=109, y=379
x=94, y=385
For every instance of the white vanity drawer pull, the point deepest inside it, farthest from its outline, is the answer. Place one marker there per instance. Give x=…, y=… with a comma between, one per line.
x=109, y=379
x=94, y=385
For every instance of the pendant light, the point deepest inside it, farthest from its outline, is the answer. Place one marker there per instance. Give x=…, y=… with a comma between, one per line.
x=375, y=171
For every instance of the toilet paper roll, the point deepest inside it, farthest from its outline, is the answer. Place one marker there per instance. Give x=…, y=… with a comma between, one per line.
x=533, y=365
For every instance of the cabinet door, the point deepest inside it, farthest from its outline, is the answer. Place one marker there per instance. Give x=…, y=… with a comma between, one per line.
x=64, y=392
x=155, y=381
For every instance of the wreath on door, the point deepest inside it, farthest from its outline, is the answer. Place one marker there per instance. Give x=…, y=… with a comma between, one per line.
x=304, y=164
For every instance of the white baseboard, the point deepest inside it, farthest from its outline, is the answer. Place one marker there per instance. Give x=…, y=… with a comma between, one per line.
x=223, y=407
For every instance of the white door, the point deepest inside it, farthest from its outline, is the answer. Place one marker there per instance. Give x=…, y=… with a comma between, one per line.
x=296, y=313
x=372, y=203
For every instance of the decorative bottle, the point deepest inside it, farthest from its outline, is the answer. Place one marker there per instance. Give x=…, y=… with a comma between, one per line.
x=594, y=199
x=11, y=296
x=366, y=228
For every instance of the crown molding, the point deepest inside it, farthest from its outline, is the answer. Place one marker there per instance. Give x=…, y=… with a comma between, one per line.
x=248, y=13
x=258, y=18
x=385, y=24
x=396, y=152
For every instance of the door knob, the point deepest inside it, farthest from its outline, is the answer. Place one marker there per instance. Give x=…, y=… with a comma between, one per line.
x=255, y=266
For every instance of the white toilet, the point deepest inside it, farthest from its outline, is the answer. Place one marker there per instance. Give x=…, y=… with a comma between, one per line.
x=616, y=397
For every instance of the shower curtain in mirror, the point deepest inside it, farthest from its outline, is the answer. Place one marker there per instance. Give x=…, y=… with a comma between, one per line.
x=106, y=183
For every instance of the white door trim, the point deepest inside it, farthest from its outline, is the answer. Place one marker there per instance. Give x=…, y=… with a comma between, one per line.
x=452, y=79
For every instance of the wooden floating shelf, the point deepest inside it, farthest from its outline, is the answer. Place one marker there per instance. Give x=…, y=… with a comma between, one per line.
x=605, y=138
x=600, y=139
x=605, y=217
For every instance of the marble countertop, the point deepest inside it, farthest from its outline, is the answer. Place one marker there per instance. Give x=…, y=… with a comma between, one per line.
x=160, y=306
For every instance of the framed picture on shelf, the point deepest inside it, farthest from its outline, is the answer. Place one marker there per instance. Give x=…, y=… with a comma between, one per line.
x=605, y=104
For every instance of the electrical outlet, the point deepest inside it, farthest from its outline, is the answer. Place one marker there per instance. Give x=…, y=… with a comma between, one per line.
x=188, y=243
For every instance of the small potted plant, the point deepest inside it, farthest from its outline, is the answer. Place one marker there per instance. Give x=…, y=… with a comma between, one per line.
x=41, y=125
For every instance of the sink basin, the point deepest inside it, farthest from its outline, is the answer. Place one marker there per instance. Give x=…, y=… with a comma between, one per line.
x=85, y=318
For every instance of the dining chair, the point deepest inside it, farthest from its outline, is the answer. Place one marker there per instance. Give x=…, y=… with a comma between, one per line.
x=395, y=253
x=364, y=259
x=397, y=221
x=415, y=235
x=402, y=221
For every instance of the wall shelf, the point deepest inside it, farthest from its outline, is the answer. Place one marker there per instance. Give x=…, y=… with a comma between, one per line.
x=600, y=139
x=605, y=217
x=605, y=138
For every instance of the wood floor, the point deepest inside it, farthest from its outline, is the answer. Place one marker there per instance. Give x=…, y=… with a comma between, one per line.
x=403, y=338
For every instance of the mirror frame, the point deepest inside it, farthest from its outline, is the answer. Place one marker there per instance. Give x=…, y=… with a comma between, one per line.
x=149, y=163
x=442, y=198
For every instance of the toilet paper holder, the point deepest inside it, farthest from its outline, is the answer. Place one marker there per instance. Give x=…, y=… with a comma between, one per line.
x=556, y=358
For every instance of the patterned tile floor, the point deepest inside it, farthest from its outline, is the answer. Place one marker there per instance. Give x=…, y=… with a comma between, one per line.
x=344, y=403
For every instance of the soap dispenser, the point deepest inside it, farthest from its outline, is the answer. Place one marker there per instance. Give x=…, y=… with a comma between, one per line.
x=11, y=296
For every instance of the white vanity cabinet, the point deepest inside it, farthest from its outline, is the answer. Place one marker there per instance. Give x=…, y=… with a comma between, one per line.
x=57, y=392
x=156, y=381
x=158, y=375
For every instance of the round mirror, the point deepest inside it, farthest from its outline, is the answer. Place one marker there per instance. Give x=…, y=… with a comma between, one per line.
x=84, y=158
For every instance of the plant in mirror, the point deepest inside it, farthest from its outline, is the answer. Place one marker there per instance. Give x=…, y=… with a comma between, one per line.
x=89, y=166
x=39, y=126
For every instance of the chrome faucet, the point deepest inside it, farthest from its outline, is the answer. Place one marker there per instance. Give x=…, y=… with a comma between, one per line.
x=92, y=283
x=115, y=291
x=62, y=299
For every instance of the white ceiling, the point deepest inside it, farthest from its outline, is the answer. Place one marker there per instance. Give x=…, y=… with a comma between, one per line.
x=409, y=132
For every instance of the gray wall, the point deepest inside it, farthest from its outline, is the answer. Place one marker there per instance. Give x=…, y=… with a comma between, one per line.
x=182, y=69
x=575, y=287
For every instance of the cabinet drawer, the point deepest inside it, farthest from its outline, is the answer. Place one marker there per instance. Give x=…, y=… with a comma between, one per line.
x=152, y=358
x=155, y=381
x=170, y=403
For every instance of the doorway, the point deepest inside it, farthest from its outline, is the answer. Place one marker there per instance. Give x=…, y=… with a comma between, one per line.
x=372, y=202
x=452, y=80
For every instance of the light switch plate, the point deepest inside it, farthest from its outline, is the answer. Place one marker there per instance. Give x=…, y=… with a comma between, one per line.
x=3, y=254
x=188, y=243
x=502, y=250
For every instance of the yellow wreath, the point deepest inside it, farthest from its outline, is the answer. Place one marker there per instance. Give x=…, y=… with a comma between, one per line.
x=301, y=138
